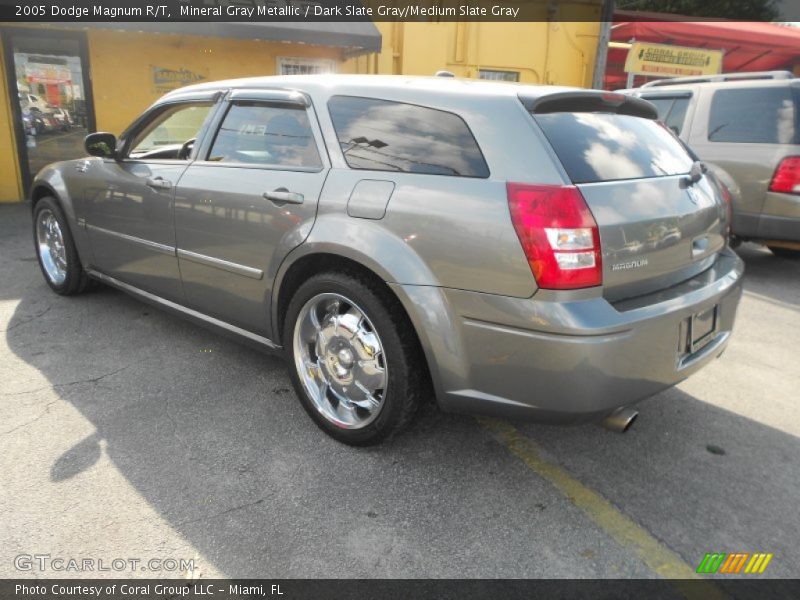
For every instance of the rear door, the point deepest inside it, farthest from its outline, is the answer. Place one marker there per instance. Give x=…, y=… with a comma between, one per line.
x=246, y=202
x=656, y=229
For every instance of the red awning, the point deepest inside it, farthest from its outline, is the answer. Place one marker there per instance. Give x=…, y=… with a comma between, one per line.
x=748, y=46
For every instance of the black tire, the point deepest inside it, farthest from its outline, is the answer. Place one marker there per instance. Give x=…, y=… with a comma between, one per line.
x=784, y=252
x=76, y=280
x=407, y=373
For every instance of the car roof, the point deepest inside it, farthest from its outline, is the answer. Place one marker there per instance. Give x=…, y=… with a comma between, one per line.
x=667, y=90
x=380, y=85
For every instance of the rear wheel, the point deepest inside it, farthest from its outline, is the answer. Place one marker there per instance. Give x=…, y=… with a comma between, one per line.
x=356, y=364
x=55, y=249
x=784, y=252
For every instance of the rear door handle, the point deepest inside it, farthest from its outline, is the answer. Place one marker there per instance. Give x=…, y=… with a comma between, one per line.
x=159, y=183
x=284, y=196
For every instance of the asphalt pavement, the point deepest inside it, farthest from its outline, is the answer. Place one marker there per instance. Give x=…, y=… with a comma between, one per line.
x=127, y=432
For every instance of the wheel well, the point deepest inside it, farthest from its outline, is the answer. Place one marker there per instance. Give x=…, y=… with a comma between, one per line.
x=39, y=192
x=308, y=266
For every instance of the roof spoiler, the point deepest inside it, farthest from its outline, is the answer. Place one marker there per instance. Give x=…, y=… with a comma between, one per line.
x=590, y=101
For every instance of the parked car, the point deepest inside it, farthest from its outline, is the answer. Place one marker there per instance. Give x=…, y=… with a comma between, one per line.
x=36, y=122
x=744, y=126
x=535, y=252
x=61, y=117
x=32, y=101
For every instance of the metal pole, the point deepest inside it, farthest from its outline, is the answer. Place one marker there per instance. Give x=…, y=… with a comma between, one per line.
x=601, y=58
x=631, y=76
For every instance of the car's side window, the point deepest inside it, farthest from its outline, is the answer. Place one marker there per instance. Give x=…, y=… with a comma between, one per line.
x=170, y=132
x=265, y=134
x=671, y=110
x=381, y=135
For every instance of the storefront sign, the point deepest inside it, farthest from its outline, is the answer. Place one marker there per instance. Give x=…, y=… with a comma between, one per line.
x=166, y=80
x=47, y=74
x=662, y=60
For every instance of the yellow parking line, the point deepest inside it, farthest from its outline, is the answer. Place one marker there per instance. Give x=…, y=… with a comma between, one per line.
x=663, y=561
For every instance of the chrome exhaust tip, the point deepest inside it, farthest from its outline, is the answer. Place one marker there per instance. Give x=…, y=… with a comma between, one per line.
x=620, y=420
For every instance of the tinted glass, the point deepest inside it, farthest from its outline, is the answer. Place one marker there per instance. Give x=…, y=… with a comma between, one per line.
x=754, y=115
x=254, y=133
x=171, y=127
x=677, y=115
x=392, y=136
x=608, y=147
x=662, y=106
x=671, y=111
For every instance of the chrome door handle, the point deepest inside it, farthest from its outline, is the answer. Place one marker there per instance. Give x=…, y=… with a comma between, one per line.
x=284, y=196
x=159, y=183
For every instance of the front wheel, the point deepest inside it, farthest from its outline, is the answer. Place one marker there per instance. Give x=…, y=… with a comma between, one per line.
x=55, y=249
x=355, y=361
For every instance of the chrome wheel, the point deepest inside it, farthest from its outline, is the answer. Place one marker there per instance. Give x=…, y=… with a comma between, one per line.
x=340, y=360
x=50, y=242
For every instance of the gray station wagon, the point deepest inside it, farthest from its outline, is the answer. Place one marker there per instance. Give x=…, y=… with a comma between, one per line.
x=531, y=252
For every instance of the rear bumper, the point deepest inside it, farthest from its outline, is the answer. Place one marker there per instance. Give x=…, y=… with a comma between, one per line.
x=778, y=220
x=578, y=360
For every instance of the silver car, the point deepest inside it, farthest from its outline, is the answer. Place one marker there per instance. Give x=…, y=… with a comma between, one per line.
x=532, y=252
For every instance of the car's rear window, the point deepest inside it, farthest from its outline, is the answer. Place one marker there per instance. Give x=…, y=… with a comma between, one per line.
x=754, y=116
x=595, y=146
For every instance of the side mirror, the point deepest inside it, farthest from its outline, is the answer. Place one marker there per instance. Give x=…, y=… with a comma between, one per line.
x=101, y=144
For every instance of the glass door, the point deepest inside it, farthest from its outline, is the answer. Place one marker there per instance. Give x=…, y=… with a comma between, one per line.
x=50, y=98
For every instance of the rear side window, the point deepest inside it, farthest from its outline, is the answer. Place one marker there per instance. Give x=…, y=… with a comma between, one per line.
x=609, y=147
x=393, y=136
x=753, y=115
x=264, y=134
x=671, y=111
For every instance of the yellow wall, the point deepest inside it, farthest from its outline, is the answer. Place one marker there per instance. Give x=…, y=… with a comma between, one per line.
x=556, y=52
x=121, y=65
x=10, y=183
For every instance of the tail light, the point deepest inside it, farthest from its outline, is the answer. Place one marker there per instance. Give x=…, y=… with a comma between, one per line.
x=787, y=176
x=558, y=234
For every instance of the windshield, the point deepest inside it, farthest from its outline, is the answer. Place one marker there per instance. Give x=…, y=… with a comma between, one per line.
x=610, y=147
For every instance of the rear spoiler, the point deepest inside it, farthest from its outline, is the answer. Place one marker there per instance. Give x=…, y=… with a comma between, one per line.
x=590, y=101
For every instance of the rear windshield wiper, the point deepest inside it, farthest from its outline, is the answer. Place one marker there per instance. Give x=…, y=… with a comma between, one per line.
x=695, y=174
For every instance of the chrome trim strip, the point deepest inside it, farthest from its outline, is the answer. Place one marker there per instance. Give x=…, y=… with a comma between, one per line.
x=163, y=248
x=125, y=287
x=218, y=263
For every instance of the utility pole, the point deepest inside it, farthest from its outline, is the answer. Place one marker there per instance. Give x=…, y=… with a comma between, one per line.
x=606, y=20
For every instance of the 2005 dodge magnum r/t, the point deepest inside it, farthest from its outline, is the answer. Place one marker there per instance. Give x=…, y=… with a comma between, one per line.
x=535, y=252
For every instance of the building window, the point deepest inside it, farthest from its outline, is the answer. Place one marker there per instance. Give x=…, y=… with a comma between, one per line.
x=498, y=75
x=304, y=66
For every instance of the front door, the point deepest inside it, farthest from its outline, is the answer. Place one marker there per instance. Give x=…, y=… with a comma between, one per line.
x=243, y=205
x=129, y=206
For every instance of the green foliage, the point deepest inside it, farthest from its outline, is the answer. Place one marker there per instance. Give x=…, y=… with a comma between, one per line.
x=737, y=10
